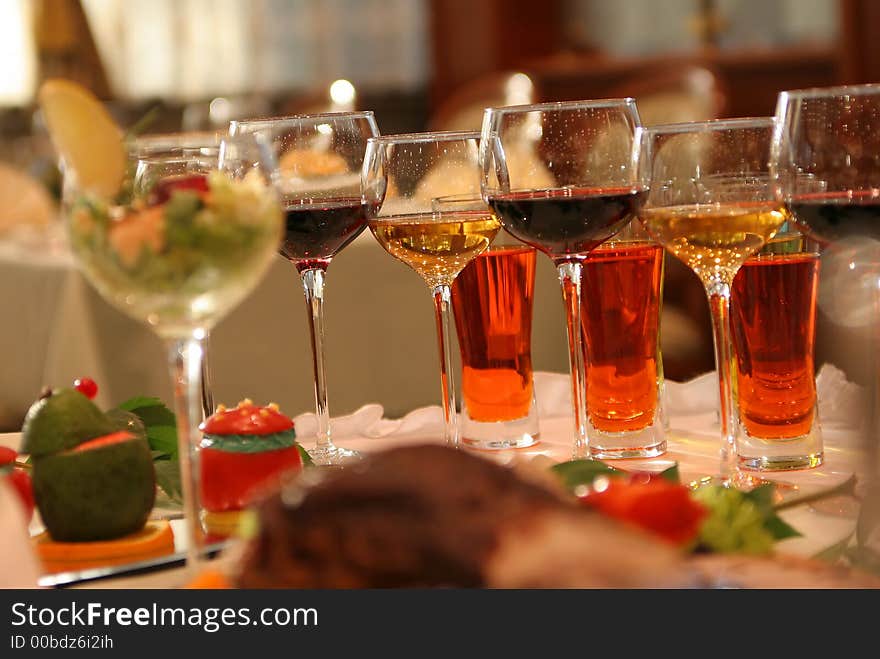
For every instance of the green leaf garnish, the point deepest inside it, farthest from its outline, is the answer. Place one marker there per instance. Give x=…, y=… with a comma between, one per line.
x=140, y=401
x=779, y=528
x=168, y=478
x=161, y=428
x=672, y=474
x=306, y=458
x=762, y=496
x=164, y=439
x=583, y=472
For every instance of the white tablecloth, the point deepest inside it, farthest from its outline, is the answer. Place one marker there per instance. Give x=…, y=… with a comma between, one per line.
x=693, y=443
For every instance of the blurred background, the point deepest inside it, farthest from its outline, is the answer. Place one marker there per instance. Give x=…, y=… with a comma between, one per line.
x=167, y=65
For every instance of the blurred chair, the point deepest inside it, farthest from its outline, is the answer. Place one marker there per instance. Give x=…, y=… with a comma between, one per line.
x=664, y=96
x=463, y=110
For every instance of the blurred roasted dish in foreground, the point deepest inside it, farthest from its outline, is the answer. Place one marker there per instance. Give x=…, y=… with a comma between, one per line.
x=429, y=516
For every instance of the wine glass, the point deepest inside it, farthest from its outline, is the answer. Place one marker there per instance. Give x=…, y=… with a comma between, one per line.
x=319, y=164
x=187, y=235
x=168, y=144
x=711, y=205
x=562, y=177
x=403, y=175
x=826, y=168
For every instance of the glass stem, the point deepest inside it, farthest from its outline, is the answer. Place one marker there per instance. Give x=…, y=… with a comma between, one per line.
x=442, y=299
x=570, y=278
x=719, y=306
x=185, y=362
x=207, y=390
x=313, y=285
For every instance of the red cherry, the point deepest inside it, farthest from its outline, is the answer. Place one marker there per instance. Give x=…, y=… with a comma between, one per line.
x=7, y=456
x=86, y=386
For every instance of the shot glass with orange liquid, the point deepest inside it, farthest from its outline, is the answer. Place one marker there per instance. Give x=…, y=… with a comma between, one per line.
x=773, y=318
x=492, y=303
x=622, y=292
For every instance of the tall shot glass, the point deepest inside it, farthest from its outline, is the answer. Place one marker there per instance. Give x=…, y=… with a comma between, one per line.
x=621, y=298
x=492, y=304
x=773, y=318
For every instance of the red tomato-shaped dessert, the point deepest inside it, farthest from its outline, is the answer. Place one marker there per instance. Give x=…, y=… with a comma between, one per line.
x=245, y=452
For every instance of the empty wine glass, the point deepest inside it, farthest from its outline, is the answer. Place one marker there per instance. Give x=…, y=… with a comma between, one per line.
x=562, y=177
x=181, y=241
x=319, y=177
x=403, y=175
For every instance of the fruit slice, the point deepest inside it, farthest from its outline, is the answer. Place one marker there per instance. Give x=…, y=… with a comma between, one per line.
x=85, y=135
x=106, y=440
x=155, y=539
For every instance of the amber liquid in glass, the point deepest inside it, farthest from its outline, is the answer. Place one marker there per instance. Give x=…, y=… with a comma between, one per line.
x=492, y=303
x=437, y=250
x=620, y=311
x=773, y=312
x=714, y=238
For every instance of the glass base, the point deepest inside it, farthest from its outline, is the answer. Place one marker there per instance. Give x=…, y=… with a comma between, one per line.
x=646, y=443
x=520, y=441
x=500, y=435
x=333, y=456
x=757, y=454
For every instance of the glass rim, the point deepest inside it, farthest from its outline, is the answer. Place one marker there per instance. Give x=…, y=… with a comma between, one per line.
x=268, y=122
x=429, y=136
x=830, y=92
x=562, y=105
x=710, y=125
x=179, y=139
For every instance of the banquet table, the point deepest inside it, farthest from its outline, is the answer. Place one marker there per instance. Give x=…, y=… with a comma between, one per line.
x=693, y=443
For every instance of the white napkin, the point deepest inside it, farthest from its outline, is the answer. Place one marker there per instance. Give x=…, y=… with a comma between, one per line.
x=700, y=395
x=841, y=402
x=369, y=421
x=696, y=396
x=552, y=394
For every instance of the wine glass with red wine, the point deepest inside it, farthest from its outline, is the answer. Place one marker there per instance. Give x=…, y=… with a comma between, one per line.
x=563, y=177
x=825, y=163
x=319, y=179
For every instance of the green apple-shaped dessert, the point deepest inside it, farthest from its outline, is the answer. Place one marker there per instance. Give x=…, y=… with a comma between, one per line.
x=93, y=475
